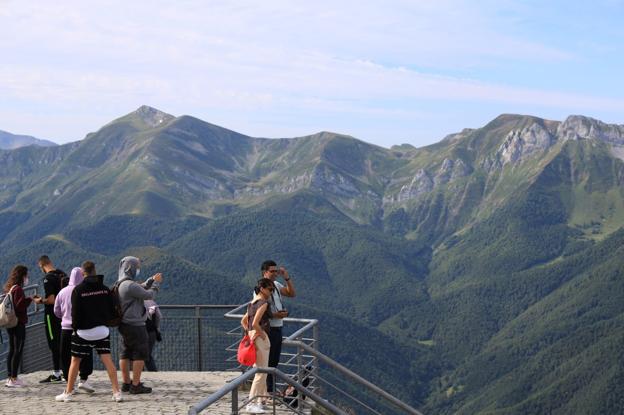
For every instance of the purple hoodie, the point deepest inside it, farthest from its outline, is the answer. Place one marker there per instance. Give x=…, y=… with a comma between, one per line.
x=62, y=304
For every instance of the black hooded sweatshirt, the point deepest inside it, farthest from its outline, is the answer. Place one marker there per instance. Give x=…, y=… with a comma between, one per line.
x=92, y=304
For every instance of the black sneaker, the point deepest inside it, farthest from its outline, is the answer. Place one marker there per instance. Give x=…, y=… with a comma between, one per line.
x=52, y=379
x=125, y=387
x=140, y=388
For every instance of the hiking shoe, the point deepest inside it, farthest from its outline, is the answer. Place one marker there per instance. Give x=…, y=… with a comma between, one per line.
x=14, y=383
x=254, y=408
x=64, y=397
x=52, y=379
x=140, y=388
x=86, y=386
x=125, y=387
x=117, y=396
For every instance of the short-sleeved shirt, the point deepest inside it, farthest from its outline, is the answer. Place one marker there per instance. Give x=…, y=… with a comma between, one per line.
x=276, y=304
x=51, y=286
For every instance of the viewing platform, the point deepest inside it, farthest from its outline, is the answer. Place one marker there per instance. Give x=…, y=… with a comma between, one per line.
x=199, y=372
x=174, y=393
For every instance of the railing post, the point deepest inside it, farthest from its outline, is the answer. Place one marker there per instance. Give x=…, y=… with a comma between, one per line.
x=235, y=401
x=315, y=362
x=299, y=369
x=199, y=339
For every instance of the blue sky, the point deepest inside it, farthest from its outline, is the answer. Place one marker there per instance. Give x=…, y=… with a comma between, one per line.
x=387, y=72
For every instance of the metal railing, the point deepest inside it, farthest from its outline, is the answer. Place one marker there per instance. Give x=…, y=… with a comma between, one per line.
x=355, y=395
x=198, y=337
x=232, y=388
x=194, y=338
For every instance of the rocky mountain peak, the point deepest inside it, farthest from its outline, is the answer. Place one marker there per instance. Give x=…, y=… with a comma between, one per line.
x=577, y=127
x=152, y=116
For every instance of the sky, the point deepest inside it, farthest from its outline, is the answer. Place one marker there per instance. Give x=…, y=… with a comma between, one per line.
x=386, y=72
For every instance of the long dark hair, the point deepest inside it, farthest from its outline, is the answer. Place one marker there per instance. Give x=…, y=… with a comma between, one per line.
x=18, y=273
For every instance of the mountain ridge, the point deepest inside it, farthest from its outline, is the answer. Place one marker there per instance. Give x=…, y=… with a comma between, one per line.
x=10, y=141
x=474, y=256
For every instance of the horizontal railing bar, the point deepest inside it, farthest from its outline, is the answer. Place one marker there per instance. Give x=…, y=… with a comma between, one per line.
x=311, y=323
x=347, y=394
x=335, y=365
x=269, y=370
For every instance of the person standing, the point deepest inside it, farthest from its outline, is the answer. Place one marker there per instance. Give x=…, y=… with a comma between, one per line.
x=63, y=310
x=52, y=283
x=152, y=324
x=256, y=322
x=271, y=271
x=133, y=337
x=92, y=309
x=17, y=335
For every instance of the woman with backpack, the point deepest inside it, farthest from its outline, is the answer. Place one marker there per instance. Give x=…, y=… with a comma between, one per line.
x=17, y=335
x=257, y=323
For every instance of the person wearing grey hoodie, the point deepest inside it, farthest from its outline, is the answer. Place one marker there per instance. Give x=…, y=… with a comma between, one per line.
x=134, y=338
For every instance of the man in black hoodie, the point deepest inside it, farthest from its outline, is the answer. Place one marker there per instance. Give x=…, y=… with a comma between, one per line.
x=52, y=284
x=92, y=309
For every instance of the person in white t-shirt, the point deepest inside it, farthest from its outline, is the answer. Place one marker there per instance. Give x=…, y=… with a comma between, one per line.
x=271, y=271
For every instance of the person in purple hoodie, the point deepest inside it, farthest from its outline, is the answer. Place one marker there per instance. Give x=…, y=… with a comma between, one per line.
x=63, y=310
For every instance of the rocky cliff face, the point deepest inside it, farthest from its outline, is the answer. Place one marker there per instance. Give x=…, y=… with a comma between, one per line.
x=577, y=127
x=520, y=145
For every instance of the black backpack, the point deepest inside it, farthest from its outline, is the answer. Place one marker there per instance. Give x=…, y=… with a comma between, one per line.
x=118, y=312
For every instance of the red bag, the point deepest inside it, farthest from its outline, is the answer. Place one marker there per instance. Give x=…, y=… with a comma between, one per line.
x=246, y=352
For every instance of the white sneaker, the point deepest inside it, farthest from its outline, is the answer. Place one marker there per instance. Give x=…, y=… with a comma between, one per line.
x=15, y=383
x=117, y=397
x=64, y=397
x=254, y=408
x=86, y=386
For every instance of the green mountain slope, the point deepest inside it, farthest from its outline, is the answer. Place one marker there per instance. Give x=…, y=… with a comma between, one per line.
x=476, y=275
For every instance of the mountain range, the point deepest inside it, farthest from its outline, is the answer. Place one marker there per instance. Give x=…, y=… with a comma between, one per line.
x=480, y=274
x=10, y=141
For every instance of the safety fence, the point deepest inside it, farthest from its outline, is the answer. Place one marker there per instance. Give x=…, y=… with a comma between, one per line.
x=199, y=338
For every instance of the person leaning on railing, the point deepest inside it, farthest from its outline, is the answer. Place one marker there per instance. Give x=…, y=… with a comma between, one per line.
x=256, y=321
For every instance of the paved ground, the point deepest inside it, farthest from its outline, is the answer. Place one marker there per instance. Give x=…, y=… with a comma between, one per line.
x=174, y=393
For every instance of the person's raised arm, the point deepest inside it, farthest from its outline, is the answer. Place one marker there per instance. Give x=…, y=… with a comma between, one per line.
x=289, y=289
x=137, y=290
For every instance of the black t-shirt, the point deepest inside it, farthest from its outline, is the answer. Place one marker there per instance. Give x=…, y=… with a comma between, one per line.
x=52, y=284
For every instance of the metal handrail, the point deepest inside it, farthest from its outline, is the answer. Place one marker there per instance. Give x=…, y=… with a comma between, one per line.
x=301, y=346
x=233, y=386
x=335, y=365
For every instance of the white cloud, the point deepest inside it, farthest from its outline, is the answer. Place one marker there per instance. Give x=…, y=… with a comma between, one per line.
x=304, y=59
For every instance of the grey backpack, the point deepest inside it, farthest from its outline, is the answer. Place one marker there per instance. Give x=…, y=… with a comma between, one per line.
x=8, y=319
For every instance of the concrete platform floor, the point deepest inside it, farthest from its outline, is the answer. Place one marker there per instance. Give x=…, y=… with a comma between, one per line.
x=173, y=393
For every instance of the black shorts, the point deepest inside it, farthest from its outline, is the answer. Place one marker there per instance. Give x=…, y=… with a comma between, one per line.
x=133, y=342
x=82, y=348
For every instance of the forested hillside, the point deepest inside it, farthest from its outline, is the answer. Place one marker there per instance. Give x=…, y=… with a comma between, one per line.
x=481, y=274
